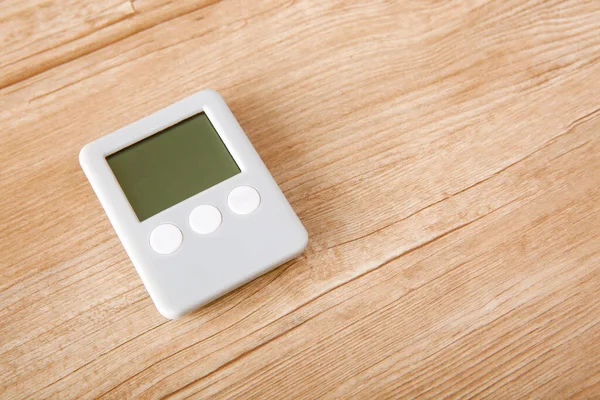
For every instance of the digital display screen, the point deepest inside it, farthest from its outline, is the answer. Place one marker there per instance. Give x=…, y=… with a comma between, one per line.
x=172, y=165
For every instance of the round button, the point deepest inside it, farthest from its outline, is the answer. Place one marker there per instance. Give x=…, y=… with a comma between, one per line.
x=205, y=219
x=166, y=238
x=243, y=200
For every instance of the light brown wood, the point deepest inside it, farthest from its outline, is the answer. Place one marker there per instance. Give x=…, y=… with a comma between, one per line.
x=443, y=155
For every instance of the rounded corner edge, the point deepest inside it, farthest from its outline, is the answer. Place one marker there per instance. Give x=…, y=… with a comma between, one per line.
x=212, y=93
x=302, y=242
x=304, y=239
x=168, y=312
x=85, y=154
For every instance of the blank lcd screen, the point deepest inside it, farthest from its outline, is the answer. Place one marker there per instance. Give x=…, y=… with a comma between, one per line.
x=172, y=165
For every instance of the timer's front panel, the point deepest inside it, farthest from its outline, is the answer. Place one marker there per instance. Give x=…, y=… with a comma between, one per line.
x=193, y=244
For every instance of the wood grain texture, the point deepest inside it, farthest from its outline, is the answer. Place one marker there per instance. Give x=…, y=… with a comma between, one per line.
x=443, y=155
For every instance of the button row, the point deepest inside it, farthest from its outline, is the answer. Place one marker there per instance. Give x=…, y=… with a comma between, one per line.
x=204, y=219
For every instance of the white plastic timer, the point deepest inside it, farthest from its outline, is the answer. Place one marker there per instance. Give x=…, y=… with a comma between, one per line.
x=194, y=206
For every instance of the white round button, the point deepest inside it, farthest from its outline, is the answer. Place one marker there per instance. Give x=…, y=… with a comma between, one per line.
x=243, y=200
x=166, y=238
x=205, y=219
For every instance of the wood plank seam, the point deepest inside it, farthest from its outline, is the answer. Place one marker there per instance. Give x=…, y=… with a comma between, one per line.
x=491, y=176
x=85, y=50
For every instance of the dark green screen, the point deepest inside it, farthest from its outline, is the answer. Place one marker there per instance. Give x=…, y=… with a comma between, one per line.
x=171, y=166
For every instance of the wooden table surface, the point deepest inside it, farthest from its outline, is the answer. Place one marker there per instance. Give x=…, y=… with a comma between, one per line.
x=444, y=157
